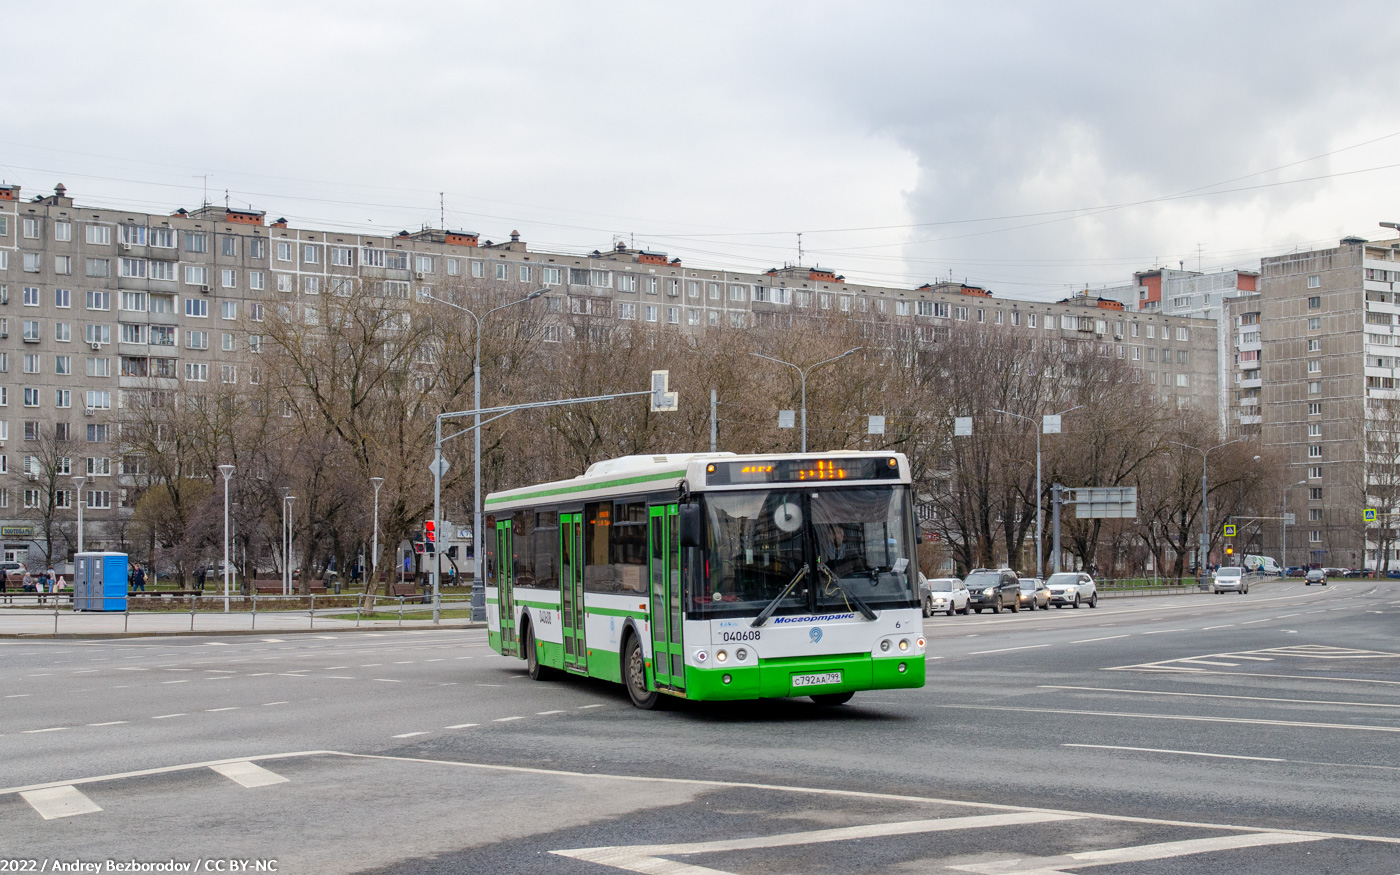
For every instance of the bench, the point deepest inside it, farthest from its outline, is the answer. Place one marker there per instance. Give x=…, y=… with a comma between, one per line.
x=408, y=591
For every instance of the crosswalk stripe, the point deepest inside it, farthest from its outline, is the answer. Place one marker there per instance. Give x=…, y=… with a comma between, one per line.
x=248, y=774
x=56, y=802
x=1134, y=854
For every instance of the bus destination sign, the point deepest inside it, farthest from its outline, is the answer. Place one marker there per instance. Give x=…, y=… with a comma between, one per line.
x=802, y=470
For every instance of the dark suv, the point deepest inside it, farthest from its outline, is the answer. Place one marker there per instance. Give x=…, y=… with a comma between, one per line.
x=994, y=590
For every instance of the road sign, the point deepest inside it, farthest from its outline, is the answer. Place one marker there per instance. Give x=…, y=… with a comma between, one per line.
x=1368, y=515
x=439, y=468
x=1104, y=502
x=1290, y=518
x=876, y=425
x=787, y=419
x=962, y=426
x=1230, y=530
x=1050, y=423
x=661, y=396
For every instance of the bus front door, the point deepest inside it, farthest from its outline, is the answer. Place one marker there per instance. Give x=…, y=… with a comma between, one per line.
x=667, y=653
x=571, y=591
x=509, y=646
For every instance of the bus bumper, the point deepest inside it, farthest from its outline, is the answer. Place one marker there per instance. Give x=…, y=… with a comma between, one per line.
x=775, y=678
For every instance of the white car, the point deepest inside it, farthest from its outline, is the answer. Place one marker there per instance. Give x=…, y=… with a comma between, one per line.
x=944, y=595
x=1072, y=588
x=1229, y=578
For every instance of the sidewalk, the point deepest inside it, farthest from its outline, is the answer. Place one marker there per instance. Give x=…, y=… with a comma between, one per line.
x=32, y=623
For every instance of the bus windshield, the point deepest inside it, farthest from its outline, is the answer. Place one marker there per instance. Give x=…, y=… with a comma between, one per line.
x=840, y=546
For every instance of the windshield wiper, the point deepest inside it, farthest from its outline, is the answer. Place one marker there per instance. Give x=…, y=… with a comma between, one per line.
x=860, y=605
x=773, y=605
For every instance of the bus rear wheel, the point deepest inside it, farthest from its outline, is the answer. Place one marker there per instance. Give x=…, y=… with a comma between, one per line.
x=634, y=675
x=831, y=699
x=532, y=658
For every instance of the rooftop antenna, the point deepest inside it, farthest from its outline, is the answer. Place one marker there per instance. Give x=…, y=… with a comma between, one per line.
x=442, y=211
x=205, y=177
x=225, y=198
x=799, y=248
x=1198, y=257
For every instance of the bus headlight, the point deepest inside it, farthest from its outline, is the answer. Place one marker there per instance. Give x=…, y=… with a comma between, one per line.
x=721, y=656
x=904, y=644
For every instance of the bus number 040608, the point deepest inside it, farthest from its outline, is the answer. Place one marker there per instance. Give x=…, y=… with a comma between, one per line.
x=751, y=635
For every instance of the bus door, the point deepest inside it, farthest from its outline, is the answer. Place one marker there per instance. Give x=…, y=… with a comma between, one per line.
x=668, y=656
x=571, y=591
x=506, y=583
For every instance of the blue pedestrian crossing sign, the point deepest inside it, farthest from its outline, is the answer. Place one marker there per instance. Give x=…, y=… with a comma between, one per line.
x=1368, y=515
x=1230, y=530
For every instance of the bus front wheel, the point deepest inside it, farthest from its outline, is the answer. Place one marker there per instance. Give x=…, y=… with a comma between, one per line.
x=634, y=675
x=537, y=671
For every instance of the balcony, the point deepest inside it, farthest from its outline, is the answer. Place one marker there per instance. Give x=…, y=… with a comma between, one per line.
x=1251, y=382
x=1249, y=420
x=1249, y=402
x=1249, y=366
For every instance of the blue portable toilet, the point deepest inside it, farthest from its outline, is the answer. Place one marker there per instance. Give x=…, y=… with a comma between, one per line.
x=100, y=581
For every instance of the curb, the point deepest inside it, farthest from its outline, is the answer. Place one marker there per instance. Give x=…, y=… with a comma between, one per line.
x=184, y=633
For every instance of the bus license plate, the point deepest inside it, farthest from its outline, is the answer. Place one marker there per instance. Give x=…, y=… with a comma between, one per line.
x=816, y=680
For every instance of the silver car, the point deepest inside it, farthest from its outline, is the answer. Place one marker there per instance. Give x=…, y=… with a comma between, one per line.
x=1229, y=578
x=1072, y=588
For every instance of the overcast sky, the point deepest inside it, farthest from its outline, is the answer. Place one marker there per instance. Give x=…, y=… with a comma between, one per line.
x=1011, y=145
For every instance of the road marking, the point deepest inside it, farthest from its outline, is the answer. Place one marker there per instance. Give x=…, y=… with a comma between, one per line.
x=648, y=858
x=1186, y=717
x=18, y=695
x=388, y=680
x=1163, y=631
x=506, y=719
x=404, y=662
x=168, y=716
x=585, y=707
x=249, y=774
x=410, y=734
x=1226, y=626
x=181, y=681
x=1252, y=658
x=545, y=713
x=50, y=729
x=108, y=723
x=55, y=802
x=1190, y=753
x=213, y=710
x=221, y=671
x=339, y=677
x=334, y=667
x=372, y=665
x=490, y=685
x=84, y=670
x=1198, y=661
x=260, y=674
x=1089, y=640
x=265, y=704
x=1252, y=622
x=1136, y=854
x=1222, y=696
x=1007, y=649
x=462, y=726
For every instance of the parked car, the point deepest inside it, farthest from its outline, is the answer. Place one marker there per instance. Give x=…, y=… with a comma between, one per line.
x=1315, y=575
x=1034, y=594
x=943, y=595
x=14, y=572
x=993, y=590
x=1072, y=588
x=1266, y=565
x=1229, y=578
x=1297, y=570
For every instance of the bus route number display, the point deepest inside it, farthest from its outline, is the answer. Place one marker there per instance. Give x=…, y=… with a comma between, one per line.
x=802, y=471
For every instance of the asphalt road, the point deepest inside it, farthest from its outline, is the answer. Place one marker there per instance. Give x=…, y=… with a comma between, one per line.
x=1177, y=734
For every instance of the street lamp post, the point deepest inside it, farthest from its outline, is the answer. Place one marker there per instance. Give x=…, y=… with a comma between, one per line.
x=1285, y=523
x=287, y=499
x=227, y=471
x=78, y=484
x=804, y=372
x=1039, y=501
x=1204, y=546
x=374, y=552
x=476, y=446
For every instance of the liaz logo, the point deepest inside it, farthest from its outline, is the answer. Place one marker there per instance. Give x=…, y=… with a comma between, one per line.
x=815, y=633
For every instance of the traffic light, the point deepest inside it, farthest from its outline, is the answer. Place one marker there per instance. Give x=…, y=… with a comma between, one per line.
x=430, y=537
x=418, y=547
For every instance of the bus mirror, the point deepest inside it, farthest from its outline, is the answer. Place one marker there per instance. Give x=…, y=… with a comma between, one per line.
x=689, y=519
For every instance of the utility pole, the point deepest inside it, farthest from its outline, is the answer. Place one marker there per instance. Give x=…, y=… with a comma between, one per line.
x=1055, y=490
x=714, y=421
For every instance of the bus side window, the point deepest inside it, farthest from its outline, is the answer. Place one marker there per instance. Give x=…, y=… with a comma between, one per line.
x=597, y=526
x=522, y=548
x=488, y=541
x=547, y=550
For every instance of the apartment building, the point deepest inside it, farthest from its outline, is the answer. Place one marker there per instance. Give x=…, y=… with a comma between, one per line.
x=1328, y=368
x=96, y=303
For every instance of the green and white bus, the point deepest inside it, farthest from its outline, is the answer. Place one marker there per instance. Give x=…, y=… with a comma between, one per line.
x=712, y=576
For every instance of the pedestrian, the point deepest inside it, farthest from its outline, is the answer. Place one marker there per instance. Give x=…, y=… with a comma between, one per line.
x=139, y=579
x=5, y=585
x=199, y=578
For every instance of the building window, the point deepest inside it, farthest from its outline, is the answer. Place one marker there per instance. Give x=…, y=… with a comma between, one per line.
x=1314, y=408
x=196, y=340
x=98, y=235
x=1315, y=388
x=31, y=397
x=1314, y=282
x=1315, y=451
x=196, y=242
x=63, y=265
x=1315, y=302
x=1315, y=324
x=550, y=276
x=62, y=332
x=284, y=251
x=31, y=296
x=229, y=374
x=626, y=310
x=134, y=302
x=1315, y=472
x=256, y=280
x=901, y=308
x=228, y=342
x=1315, y=493
x=98, y=366
x=454, y=267
x=1315, y=366
x=230, y=278
x=478, y=269
x=673, y=315
x=196, y=372
x=1315, y=536
x=1314, y=429
x=197, y=308
x=502, y=271
x=311, y=254
x=63, y=398
x=63, y=365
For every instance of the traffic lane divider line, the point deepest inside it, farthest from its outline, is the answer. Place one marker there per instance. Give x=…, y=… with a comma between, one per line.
x=249, y=774
x=1137, y=853
x=1189, y=753
x=1220, y=696
x=1190, y=718
x=55, y=802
